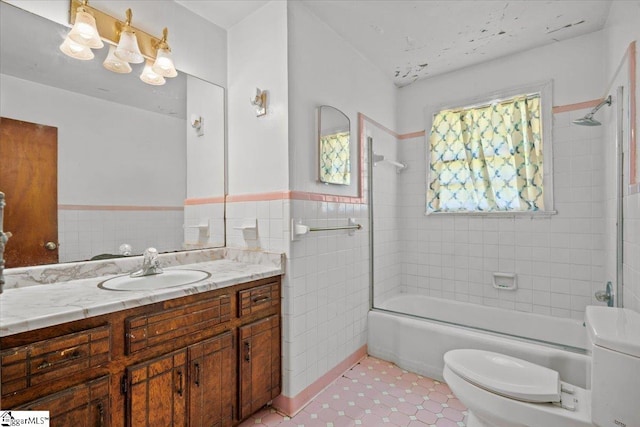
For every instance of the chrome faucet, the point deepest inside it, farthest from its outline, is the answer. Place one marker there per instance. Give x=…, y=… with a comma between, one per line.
x=150, y=264
x=3, y=240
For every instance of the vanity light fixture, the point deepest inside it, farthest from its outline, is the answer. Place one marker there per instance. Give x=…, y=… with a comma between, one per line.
x=115, y=64
x=260, y=102
x=84, y=30
x=151, y=77
x=129, y=45
x=164, y=64
x=128, y=49
x=75, y=50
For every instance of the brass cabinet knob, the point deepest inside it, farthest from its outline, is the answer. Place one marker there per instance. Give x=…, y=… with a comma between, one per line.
x=50, y=246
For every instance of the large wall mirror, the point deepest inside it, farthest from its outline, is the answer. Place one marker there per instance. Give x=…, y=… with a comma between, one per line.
x=131, y=164
x=334, y=132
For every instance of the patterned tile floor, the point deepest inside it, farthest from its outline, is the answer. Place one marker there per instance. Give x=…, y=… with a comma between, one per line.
x=374, y=393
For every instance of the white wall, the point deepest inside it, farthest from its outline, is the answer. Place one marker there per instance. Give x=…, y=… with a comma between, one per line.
x=328, y=284
x=325, y=70
x=575, y=65
x=558, y=260
x=103, y=164
x=205, y=150
x=258, y=146
x=325, y=289
x=97, y=160
x=198, y=46
x=623, y=27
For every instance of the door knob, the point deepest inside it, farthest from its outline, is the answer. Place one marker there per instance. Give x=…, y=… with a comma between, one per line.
x=50, y=246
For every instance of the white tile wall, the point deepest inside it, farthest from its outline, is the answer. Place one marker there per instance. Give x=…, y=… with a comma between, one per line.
x=86, y=233
x=211, y=214
x=387, y=237
x=631, y=271
x=328, y=287
x=558, y=260
x=272, y=217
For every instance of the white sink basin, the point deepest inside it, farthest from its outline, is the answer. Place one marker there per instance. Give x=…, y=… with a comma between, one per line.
x=166, y=279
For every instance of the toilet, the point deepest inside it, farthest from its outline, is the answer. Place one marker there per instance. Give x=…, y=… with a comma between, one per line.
x=504, y=391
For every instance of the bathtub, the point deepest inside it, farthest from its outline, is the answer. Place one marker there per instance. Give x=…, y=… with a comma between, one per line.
x=419, y=344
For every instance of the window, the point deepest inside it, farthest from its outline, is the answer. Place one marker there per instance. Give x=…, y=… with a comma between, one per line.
x=489, y=158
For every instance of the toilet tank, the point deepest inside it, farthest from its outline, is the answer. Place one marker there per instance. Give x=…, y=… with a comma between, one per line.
x=614, y=335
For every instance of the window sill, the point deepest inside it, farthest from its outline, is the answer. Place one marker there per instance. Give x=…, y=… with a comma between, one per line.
x=532, y=215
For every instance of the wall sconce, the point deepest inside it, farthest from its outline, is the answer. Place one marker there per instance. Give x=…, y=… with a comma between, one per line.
x=197, y=123
x=129, y=45
x=260, y=102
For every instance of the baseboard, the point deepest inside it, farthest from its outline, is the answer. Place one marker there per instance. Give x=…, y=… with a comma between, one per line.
x=292, y=405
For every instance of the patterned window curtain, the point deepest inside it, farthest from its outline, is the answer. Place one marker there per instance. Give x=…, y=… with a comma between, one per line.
x=335, y=166
x=487, y=159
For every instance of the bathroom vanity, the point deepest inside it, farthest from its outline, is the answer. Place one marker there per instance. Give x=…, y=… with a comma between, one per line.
x=205, y=354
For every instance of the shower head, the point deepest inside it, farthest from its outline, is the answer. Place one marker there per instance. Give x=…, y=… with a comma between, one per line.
x=588, y=120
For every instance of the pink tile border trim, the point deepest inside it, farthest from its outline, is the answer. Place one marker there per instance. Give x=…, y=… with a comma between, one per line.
x=203, y=201
x=578, y=106
x=117, y=208
x=294, y=195
x=412, y=135
x=292, y=405
x=360, y=199
x=378, y=125
x=556, y=110
x=259, y=197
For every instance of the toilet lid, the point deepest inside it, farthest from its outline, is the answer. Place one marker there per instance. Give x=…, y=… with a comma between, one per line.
x=505, y=375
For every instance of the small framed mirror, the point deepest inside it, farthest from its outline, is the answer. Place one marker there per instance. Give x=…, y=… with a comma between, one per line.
x=334, y=129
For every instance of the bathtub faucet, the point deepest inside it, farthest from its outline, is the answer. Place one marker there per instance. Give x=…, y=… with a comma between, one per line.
x=4, y=237
x=150, y=264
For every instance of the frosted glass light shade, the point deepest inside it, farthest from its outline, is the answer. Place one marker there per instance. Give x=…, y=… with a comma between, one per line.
x=164, y=64
x=115, y=64
x=150, y=77
x=75, y=50
x=128, y=49
x=85, y=32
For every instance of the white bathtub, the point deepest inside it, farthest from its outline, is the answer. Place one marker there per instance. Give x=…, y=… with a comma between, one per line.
x=419, y=344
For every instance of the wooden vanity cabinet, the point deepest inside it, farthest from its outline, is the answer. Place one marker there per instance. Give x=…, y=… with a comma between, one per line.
x=86, y=405
x=204, y=360
x=259, y=364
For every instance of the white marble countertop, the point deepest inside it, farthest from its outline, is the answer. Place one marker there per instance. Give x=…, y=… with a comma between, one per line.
x=34, y=307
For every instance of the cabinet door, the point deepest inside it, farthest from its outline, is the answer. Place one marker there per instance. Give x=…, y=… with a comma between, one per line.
x=86, y=405
x=259, y=352
x=212, y=380
x=157, y=394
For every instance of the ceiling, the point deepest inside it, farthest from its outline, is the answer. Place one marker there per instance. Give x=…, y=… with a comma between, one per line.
x=410, y=40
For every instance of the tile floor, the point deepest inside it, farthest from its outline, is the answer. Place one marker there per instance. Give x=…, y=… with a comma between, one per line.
x=374, y=393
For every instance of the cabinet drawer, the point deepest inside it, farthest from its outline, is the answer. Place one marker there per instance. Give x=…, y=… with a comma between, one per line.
x=155, y=329
x=253, y=300
x=54, y=358
x=84, y=405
